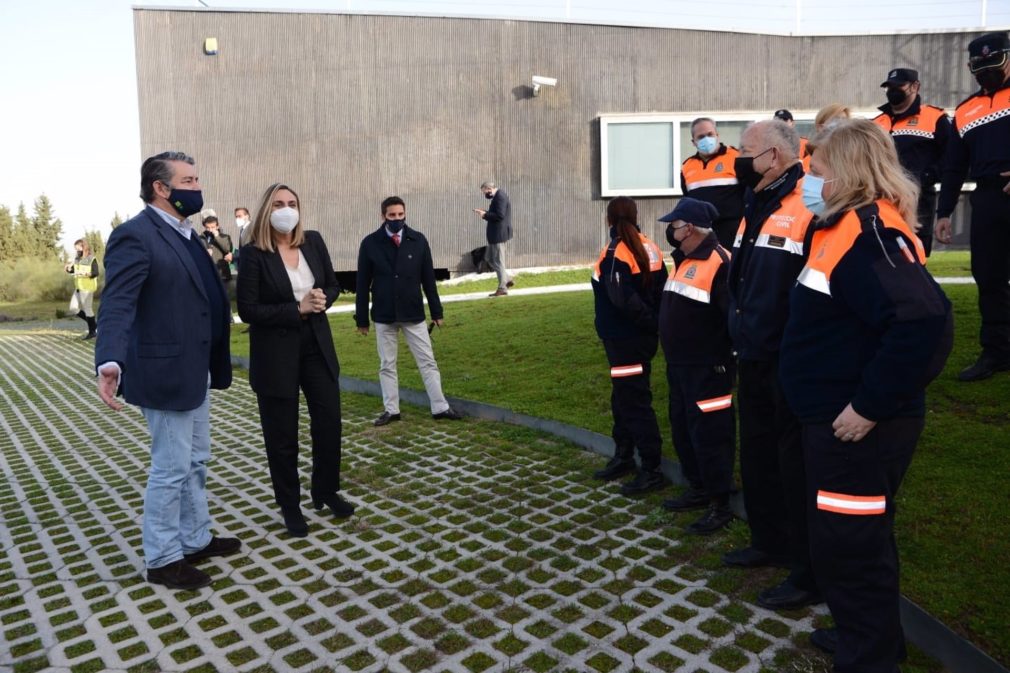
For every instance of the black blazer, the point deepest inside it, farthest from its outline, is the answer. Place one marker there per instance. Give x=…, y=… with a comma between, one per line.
x=267, y=303
x=395, y=277
x=499, y=218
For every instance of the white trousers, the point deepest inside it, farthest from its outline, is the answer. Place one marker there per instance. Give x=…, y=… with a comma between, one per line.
x=82, y=300
x=416, y=336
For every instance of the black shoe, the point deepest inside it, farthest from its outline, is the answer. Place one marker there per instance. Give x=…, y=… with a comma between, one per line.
x=692, y=498
x=385, y=418
x=984, y=367
x=294, y=521
x=645, y=481
x=826, y=640
x=179, y=575
x=219, y=546
x=340, y=507
x=618, y=466
x=449, y=414
x=750, y=557
x=715, y=519
x=786, y=596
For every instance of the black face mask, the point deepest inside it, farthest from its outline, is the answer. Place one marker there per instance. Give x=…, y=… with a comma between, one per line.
x=744, y=169
x=395, y=226
x=674, y=243
x=896, y=96
x=990, y=79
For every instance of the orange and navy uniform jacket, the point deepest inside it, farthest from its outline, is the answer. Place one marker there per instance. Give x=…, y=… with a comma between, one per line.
x=625, y=306
x=979, y=147
x=920, y=136
x=714, y=180
x=767, y=257
x=805, y=154
x=867, y=323
x=692, y=315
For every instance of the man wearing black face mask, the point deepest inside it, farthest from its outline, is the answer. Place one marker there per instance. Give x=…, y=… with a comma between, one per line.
x=981, y=150
x=767, y=257
x=162, y=343
x=920, y=135
x=394, y=265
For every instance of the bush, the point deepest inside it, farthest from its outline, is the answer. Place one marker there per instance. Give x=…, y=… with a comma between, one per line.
x=34, y=279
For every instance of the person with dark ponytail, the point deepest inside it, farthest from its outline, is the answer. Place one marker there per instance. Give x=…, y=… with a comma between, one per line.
x=628, y=287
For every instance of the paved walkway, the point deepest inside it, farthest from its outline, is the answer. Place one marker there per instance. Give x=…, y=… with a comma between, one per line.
x=477, y=547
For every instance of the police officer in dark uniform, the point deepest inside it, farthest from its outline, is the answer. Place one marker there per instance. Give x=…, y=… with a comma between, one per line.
x=709, y=175
x=980, y=149
x=699, y=364
x=920, y=135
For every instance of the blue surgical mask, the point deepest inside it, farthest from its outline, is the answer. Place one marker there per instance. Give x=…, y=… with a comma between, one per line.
x=812, y=199
x=707, y=145
x=395, y=226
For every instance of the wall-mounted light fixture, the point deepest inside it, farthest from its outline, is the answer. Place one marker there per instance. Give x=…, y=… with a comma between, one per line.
x=539, y=81
x=210, y=46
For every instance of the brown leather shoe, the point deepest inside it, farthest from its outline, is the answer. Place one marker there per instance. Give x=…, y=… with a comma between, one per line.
x=179, y=575
x=500, y=292
x=218, y=546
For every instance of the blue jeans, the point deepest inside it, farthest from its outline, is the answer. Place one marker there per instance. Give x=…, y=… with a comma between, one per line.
x=176, y=517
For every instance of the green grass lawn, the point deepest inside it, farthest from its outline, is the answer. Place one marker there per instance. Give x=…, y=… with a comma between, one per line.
x=950, y=263
x=539, y=355
x=33, y=310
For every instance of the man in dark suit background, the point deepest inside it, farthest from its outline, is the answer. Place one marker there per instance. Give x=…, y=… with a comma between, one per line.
x=164, y=323
x=499, y=230
x=394, y=264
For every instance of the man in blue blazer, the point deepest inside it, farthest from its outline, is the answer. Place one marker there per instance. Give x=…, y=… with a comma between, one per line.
x=163, y=341
x=499, y=230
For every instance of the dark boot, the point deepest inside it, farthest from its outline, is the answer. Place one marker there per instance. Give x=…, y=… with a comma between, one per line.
x=340, y=507
x=984, y=367
x=716, y=517
x=92, y=327
x=621, y=464
x=645, y=481
x=692, y=498
x=294, y=521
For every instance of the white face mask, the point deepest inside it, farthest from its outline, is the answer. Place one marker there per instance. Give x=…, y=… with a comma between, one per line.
x=284, y=220
x=241, y=222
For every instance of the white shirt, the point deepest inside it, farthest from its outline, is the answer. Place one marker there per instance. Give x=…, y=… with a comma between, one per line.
x=301, y=277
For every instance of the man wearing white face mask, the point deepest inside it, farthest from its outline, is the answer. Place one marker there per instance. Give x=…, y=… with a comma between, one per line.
x=394, y=264
x=709, y=176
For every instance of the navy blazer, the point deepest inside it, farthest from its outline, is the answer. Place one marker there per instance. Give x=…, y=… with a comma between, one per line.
x=267, y=302
x=499, y=218
x=395, y=277
x=154, y=318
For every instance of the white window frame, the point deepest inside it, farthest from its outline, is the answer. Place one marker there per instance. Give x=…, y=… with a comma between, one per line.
x=677, y=119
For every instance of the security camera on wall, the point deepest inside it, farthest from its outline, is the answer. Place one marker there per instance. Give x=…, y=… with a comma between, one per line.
x=539, y=81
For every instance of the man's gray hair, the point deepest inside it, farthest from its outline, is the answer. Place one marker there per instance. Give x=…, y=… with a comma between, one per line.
x=489, y=184
x=701, y=120
x=159, y=169
x=783, y=136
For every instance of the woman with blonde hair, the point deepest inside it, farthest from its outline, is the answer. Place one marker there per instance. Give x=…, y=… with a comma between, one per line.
x=825, y=119
x=868, y=329
x=285, y=284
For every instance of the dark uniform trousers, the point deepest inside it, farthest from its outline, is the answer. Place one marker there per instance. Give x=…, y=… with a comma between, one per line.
x=854, y=554
x=990, y=265
x=704, y=440
x=925, y=213
x=279, y=416
x=635, y=423
x=772, y=469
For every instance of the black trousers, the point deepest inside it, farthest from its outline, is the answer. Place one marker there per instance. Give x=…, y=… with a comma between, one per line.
x=990, y=266
x=926, y=212
x=852, y=486
x=772, y=469
x=635, y=424
x=279, y=417
x=703, y=425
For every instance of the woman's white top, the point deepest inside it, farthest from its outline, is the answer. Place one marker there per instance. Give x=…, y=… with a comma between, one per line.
x=301, y=277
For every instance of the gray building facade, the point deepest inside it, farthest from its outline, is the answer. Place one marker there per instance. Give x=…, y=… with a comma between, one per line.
x=351, y=108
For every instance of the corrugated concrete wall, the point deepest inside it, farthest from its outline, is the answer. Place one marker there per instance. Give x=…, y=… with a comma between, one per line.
x=349, y=109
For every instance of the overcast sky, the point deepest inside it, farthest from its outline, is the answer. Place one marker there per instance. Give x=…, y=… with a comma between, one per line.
x=68, y=113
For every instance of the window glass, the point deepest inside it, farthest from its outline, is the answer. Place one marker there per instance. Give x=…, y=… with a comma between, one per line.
x=638, y=156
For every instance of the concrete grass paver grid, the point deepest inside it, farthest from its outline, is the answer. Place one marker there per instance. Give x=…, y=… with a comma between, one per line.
x=476, y=547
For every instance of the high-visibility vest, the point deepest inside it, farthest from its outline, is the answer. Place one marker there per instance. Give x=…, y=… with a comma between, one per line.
x=981, y=110
x=830, y=244
x=693, y=278
x=82, y=275
x=718, y=171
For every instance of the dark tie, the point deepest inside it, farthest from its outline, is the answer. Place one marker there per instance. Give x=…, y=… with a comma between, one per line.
x=396, y=240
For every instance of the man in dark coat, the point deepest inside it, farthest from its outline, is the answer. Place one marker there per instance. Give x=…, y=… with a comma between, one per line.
x=499, y=230
x=394, y=264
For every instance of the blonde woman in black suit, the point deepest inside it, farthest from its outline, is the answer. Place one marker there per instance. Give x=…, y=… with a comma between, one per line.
x=285, y=284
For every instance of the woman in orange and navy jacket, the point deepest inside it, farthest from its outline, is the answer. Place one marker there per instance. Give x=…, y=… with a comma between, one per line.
x=628, y=286
x=868, y=329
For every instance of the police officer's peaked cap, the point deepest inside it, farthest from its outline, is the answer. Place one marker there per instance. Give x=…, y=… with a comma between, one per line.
x=988, y=51
x=783, y=114
x=698, y=213
x=901, y=76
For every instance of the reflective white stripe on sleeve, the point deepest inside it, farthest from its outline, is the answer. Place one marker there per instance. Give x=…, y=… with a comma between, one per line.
x=815, y=280
x=780, y=243
x=689, y=291
x=625, y=370
x=859, y=505
x=912, y=132
x=716, y=403
x=713, y=182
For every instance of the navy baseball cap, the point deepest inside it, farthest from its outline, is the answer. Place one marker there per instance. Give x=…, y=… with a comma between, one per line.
x=988, y=51
x=698, y=213
x=901, y=76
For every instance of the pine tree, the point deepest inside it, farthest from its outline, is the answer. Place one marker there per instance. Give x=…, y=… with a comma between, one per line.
x=23, y=240
x=47, y=229
x=7, y=242
x=97, y=245
x=116, y=220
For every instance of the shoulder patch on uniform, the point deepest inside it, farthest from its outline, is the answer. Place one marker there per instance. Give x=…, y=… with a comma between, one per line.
x=691, y=271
